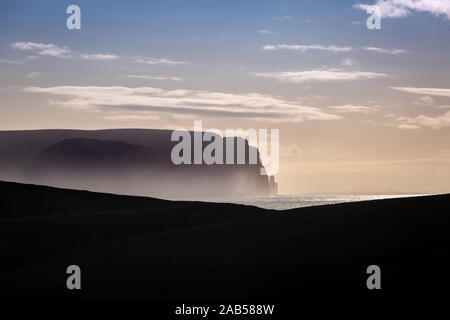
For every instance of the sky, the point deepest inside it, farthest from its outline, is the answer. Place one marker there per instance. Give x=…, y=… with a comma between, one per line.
x=358, y=110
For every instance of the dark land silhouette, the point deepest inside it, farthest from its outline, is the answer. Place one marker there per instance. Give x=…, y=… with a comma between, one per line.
x=144, y=248
x=125, y=161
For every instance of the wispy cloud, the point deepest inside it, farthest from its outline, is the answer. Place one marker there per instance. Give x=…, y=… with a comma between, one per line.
x=121, y=117
x=303, y=48
x=19, y=60
x=148, y=101
x=347, y=62
x=268, y=32
x=53, y=50
x=427, y=100
x=43, y=49
x=145, y=77
x=320, y=75
x=385, y=51
x=408, y=126
x=403, y=8
x=150, y=60
x=283, y=18
x=425, y=91
x=99, y=57
x=32, y=75
x=350, y=108
x=437, y=122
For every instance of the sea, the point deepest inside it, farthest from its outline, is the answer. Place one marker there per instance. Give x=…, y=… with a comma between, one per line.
x=285, y=202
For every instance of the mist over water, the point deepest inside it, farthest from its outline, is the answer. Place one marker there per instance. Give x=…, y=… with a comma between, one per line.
x=286, y=202
x=125, y=161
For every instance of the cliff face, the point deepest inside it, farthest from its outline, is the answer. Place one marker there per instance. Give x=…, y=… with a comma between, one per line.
x=124, y=161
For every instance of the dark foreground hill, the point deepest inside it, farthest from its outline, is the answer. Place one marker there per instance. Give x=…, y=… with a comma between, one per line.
x=143, y=248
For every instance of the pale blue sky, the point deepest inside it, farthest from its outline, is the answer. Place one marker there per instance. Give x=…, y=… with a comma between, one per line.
x=310, y=68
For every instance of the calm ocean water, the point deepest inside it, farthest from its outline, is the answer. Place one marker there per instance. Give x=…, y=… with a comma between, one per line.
x=293, y=201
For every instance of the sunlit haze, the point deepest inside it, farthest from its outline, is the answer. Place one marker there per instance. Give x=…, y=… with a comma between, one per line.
x=358, y=110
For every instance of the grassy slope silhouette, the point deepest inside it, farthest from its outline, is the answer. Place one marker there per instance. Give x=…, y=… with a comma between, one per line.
x=136, y=247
